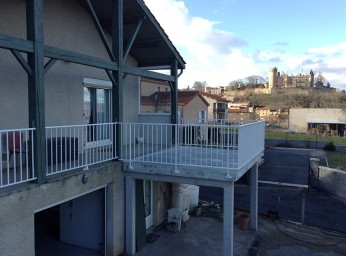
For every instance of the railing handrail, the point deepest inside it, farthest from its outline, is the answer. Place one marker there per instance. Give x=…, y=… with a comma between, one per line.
x=79, y=125
x=188, y=124
x=17, y=130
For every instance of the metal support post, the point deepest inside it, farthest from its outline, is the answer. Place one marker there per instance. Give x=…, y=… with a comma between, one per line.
x=254, y=197
x=34, y=14
x=228, y=202
x=130, y=215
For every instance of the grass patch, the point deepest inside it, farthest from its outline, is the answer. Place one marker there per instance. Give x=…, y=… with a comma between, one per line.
x=336, y=160
x=285, y=135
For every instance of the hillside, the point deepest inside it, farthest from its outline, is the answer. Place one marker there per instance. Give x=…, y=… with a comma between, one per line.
x=310, y=100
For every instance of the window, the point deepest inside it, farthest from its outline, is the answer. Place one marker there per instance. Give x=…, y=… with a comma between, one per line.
x=202, y=116
x=97, y=105
x=97, y=108
x=155, y=96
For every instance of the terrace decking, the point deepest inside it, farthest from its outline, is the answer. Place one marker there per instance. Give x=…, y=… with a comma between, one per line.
x=196, y=162
x=217, y=156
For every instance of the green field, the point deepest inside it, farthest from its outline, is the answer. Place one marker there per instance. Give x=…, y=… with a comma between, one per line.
x=335, y=160
x=286, y=135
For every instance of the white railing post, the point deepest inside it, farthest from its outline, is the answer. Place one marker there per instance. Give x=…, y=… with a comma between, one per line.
x=14, y=143
x=130, y=143
x=176, y=141
x=86, y=167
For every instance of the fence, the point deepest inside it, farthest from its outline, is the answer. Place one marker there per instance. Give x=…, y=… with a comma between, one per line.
x=76, y=146
x=192, y=144
x=17, y=156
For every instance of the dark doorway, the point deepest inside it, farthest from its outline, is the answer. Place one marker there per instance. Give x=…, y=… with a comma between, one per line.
x=72, y=228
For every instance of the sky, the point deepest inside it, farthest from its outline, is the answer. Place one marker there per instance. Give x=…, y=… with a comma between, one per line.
x=225, y=40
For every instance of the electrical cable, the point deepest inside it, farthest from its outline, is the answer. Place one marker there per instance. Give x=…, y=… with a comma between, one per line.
x=311, y=243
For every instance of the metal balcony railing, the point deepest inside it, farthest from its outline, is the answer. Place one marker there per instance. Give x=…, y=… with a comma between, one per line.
x=208, y=144
x=17, y=159
x=67, y=148
x=78, y=146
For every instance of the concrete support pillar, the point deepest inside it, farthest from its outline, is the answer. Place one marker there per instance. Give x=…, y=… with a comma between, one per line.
x=254, y=197
x=228, y=202
x=130, y=217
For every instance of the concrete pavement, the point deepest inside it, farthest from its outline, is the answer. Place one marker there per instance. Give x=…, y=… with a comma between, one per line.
x=203, y=236
x=289, y=166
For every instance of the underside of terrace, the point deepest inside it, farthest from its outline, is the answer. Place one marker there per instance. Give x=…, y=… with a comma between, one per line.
x=207, y=154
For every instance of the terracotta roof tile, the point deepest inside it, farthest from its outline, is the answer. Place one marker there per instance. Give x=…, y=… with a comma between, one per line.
x=164, y=98
x=184, y=97
x=215, y=97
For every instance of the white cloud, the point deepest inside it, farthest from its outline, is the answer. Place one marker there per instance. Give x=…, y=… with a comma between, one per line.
x=206, y=49
x=217, y=56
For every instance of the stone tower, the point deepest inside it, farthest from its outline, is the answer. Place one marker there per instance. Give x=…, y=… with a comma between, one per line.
x=312, y=78
x=272, y=75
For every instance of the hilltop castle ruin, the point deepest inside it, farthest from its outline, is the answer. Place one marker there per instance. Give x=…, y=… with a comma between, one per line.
x=282, y=80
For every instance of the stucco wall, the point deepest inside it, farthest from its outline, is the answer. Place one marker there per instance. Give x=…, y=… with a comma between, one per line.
x=298, y=116
x=17, y=232
x=192, y=109
x=68, y=26
x=210, y=108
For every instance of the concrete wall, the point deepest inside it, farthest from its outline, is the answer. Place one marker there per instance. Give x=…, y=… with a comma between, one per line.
x=300, y=144
x=298, y=117
x=333, y=181
x=17, y=233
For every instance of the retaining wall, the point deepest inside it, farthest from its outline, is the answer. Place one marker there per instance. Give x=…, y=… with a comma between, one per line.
x=333, y=181
x=330, y=180
x=300, y=144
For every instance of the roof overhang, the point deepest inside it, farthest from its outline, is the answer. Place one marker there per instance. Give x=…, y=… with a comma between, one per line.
x=151, y=47
x=325, y=121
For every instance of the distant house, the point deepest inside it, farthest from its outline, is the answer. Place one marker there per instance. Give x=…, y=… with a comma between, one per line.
x=192, y=106
x=262, y=112
x=155, y=96
x=318, y=120
x=218, y=106
x=239, y=115
x=239, y=105
x=220, y=90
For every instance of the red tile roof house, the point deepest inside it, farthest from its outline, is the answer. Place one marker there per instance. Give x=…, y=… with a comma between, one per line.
x=192, y=105
x=80, y=163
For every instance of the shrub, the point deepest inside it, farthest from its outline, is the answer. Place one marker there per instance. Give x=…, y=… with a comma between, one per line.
x=329, y=147
x=284, y=145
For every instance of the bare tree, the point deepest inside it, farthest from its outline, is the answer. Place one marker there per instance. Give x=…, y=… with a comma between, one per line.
x=320, y=80
x=199, y=86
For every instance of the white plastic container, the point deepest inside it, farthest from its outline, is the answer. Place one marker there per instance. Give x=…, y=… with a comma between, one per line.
x=180, y=196
x=193, y=197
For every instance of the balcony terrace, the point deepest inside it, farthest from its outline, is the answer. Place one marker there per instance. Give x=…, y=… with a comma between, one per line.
x=209, y=150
